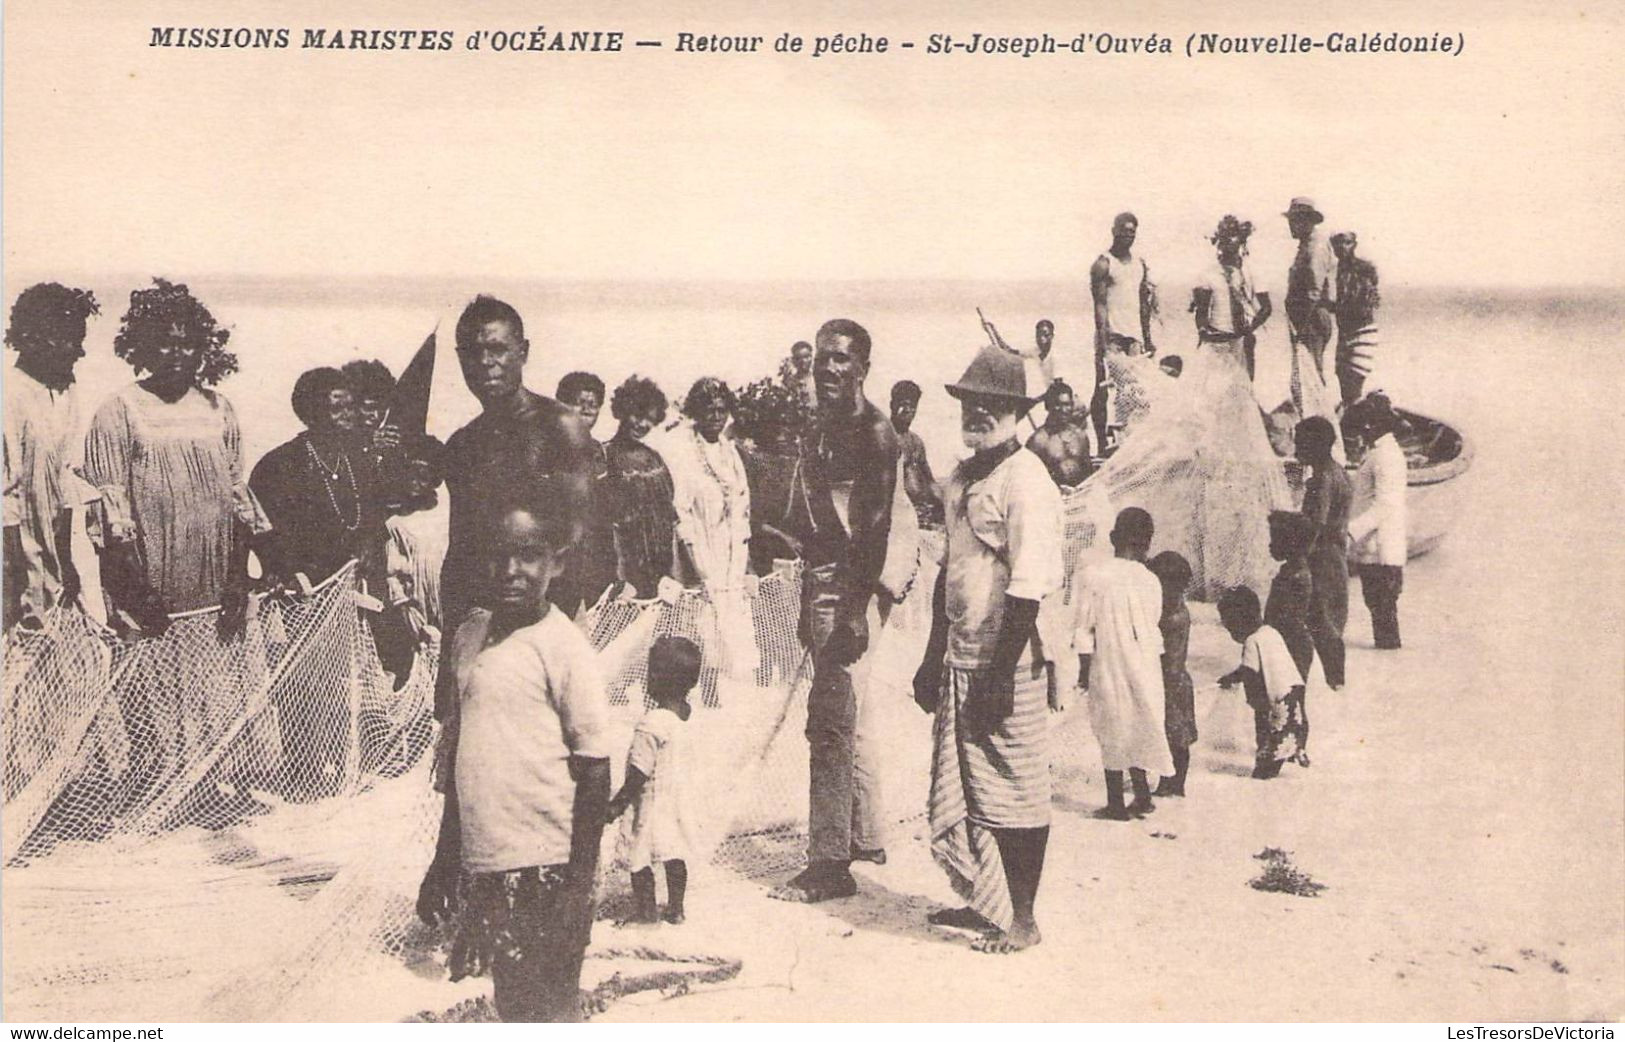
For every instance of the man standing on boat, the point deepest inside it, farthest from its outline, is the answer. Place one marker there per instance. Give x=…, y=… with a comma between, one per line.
x=845, y=496
x=1311, y=288
x=1124, y=301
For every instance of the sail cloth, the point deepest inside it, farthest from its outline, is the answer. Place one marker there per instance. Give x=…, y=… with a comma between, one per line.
x=409, y=402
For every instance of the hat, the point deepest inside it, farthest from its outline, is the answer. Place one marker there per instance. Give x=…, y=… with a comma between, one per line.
x=996, y=373
x=1305, y=205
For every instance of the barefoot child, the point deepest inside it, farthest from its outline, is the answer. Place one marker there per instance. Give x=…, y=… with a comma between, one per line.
x=1267, y=674
x=1119, y=644
x=654, y=774
x=1327, y=495
x=1179, y=696
x=530, y=786
x=1287, y=606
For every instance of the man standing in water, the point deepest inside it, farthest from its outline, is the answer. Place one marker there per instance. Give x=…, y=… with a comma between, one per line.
x=1311, y=287
x=850, y=478
x=1124, y=299
x=986, y=673
x=1063, y=442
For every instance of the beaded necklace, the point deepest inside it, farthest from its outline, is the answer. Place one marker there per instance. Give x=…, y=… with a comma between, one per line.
x=329, y=475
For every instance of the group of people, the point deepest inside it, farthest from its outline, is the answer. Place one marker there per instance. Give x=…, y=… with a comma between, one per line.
x=541, y=521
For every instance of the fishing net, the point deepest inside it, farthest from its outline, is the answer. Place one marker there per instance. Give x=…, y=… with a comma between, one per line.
x=199, y=828
x=1201, y=463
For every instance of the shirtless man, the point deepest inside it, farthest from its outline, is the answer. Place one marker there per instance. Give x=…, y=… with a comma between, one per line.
x=519, y=436
x=1063, y=442
x=1120, y=284
x=850, y=471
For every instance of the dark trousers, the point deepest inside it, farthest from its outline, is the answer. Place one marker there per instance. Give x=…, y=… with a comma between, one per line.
x=838, y=807
x=1380, y=586
x=1329, y=609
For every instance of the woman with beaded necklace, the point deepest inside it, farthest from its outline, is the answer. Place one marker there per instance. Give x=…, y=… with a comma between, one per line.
x=320, y=493
x=318, y=488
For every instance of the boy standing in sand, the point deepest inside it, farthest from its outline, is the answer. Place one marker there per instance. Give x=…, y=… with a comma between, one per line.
x=1119, y=642
x=1288, y=604
x=529, y=741
x=1267, y=674
x=1179, y=695
x=1327, y=495
x=654, y=777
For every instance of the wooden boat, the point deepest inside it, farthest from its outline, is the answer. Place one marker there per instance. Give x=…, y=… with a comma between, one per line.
x=1437, y=454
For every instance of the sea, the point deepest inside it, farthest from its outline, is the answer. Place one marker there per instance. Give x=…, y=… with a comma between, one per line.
x=1443, y=350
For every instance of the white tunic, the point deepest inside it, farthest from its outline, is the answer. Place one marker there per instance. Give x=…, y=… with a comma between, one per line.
x=1119, y=610
x=660, y=830
x=1378, y=529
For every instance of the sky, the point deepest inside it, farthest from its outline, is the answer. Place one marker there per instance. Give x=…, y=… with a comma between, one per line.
x=1498, y=168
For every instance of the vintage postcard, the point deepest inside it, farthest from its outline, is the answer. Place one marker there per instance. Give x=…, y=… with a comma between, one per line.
x=818, y=512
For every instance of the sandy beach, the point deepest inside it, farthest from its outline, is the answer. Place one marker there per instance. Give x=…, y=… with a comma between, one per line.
x=1463, y=811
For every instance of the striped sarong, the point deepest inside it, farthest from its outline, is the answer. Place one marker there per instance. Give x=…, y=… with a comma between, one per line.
x=987, y=781
x=1358, y=350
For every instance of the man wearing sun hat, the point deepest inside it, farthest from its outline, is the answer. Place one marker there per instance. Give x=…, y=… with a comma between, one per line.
x=986, y=671
x=1311, y=288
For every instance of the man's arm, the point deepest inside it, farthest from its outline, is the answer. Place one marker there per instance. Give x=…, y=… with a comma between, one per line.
x=928, y=678
x=873, y=492
x=1148, y=295
x=15, y=574
x=573, y=472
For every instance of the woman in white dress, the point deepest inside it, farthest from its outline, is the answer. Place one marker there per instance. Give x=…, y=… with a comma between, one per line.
x=1201, y=463
x=712, y=498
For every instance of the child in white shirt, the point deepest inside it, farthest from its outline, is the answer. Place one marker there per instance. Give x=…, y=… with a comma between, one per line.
x=1268, y=675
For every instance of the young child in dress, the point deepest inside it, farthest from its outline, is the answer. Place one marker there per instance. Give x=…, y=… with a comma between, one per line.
x=1267, y=674
x=654, y=773
x=529, y=787
x=1179, y=695
x=1120, y=666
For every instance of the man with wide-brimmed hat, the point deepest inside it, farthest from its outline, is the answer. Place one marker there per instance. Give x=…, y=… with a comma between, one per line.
x=1311, y=288
x=986, y=672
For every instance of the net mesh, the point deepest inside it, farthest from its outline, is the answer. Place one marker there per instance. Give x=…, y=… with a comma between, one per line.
x=208, y=829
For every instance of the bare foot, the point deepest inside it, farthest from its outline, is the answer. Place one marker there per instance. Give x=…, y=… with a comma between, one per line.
x=1114, y=814
x=959, y=918
x=816, y=884
x=1166, y=788
x=675, y=916
x=1004, y=942
x=1140, y=808
x=877, y=855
